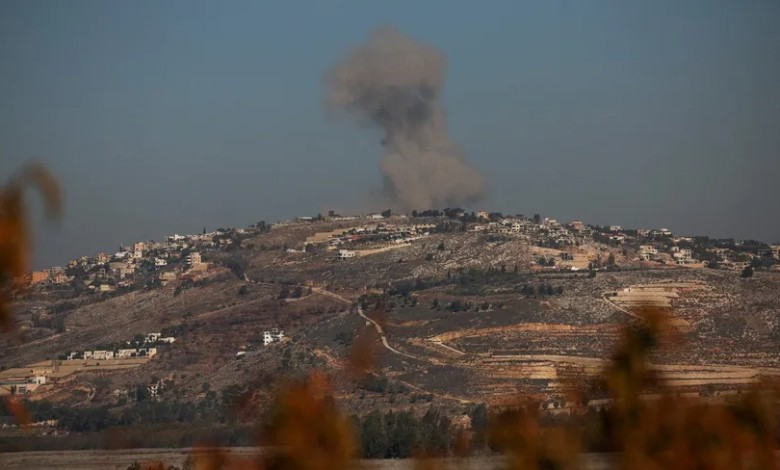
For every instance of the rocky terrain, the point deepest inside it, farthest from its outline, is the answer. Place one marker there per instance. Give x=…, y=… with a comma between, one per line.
x=459, y=317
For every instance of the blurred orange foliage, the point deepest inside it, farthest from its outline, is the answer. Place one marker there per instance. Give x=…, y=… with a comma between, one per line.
x=14, y=226
x=15, y=242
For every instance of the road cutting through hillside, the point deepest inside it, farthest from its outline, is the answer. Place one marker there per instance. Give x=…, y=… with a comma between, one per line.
x=618, y=307
x=377, y=326
x=383, y=337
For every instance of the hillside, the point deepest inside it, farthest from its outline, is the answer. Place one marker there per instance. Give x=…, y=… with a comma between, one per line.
x=454, y=314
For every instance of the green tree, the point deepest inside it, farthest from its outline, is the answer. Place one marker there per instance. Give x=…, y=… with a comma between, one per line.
x=434, y=430
x=387, y=213
x=401, y=430
x=747, y=272
x=284, y=293
x=537, y=219
x=441, y=246
x=374, y=437
x=611, y=260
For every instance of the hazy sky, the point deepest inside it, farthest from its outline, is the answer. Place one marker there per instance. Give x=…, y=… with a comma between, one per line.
x=168, y=116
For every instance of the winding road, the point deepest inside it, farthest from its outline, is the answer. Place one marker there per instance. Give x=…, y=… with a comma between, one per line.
x=378, y=327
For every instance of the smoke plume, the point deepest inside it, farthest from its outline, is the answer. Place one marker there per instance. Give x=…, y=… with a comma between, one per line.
x=395, y=83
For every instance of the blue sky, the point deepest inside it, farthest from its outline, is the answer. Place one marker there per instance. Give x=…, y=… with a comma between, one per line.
x=168, y=116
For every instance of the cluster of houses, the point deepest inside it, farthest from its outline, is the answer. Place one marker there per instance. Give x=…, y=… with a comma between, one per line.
x=348, y=243
x=106, y=273
x=146, y=348
x=274, y=335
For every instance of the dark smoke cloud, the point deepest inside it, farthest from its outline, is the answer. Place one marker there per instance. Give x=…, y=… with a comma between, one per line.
x=395, y=83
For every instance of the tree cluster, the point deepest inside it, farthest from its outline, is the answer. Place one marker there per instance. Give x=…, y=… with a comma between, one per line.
x=395, y=435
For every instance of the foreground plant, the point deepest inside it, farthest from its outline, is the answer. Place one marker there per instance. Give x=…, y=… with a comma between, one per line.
x=15, y=242
x=15, y=235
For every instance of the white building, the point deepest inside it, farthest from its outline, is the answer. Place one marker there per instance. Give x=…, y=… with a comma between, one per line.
x=138, y=250
x=37, y=379
x=169, y=340
x=153, y=337
x=160, y=262
x=102, y=355
x=148, y=352
x=346, y=254
x=647, y=252
x=615, y=228
x=193, y=259
x=125, y=353
x=274, y=335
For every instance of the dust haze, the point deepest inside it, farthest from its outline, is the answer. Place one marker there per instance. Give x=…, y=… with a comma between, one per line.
x=394, y=83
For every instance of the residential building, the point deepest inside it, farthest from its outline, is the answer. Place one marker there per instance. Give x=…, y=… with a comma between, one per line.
x=647, y=252
x=148, y=352
x=39, y=276
x=166, y=277
x=138, y=250
x=125, y=353
x=18, y=386
x=193, y=259
x=274, y=335
x=153, y=337
x=158, y=262
x=615, y=228
x=168, y=340
x=153, y=389
x=102, y=355
x=576, y=225
x=346, y=254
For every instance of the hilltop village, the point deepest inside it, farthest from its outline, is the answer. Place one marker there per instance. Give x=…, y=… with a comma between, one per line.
x=458, y=309
x=149, y=263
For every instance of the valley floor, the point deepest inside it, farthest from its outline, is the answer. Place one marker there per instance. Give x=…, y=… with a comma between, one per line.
x=121, y=459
